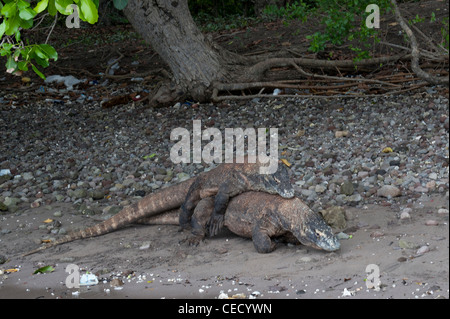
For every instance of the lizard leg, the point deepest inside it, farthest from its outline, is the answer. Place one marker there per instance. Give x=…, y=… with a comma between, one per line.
x=199, y=220
x=187, y=208
x=262, y=241
x=218, y=216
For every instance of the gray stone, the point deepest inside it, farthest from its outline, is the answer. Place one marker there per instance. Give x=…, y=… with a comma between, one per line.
x=388, y=191
x=79, y=193
x=27, y=176
x=334, y=216
x=347, y=188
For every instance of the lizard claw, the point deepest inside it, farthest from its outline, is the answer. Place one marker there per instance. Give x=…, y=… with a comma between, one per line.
x=192, y=240
x=215, y=224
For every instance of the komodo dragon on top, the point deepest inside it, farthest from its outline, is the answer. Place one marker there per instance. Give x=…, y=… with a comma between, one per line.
x=231, y=178
x=229, y=182
x=261, y=216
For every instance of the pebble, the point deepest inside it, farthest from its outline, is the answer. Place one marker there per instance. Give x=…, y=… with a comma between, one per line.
x=405, y=215
x=342, y=235
x=335, y=217
x=433, y=176
x=347, y=188
x=377, y=234
x=421, y=189
x=388, y=191
x=422, y=250
x=98, y=194
x=3, y=207
x=116, y=282
x=431, y=222
x=339, y=134
x=326, y=164
x=57, y=214
x=356, y=198
x=27, y=176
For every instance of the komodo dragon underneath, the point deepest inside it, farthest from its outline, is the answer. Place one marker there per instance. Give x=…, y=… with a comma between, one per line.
x=261, y=217
x=227, y=176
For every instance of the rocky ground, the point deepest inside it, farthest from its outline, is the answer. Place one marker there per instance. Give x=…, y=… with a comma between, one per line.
x=342, y=151
x=384, y=160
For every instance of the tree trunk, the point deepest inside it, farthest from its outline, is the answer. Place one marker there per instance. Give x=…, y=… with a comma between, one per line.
x=168, y=26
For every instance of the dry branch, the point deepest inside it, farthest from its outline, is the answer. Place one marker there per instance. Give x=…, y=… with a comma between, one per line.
x=256, y=72
x=329, y=77
x=415, y=53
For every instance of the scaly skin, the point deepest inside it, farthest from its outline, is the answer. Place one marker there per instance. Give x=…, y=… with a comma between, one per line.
x=234, y=182
x=262, y=216
x=226, y=180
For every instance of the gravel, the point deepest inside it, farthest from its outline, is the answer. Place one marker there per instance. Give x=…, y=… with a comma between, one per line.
x=56, y=149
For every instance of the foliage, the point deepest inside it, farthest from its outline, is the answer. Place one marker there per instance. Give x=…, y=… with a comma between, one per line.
x=224, y=8
x=17, y=15
x=343, y=20
x=292, y=11
x=445, y=33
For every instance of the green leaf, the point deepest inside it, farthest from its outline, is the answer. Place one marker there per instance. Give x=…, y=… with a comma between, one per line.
x=51, y=7
x=9, y=10
x=2, y=28
x=23, y=65
x=25, y=52
x=22, y=4
x=27, y=13
x=149, y=156
x=26, y=24
x=35, y=69
x=89, y=11
x=44, y=269
x=12, y=25
x=49, y=51
x=42, y=62
x=41, y=6
x=10, y=63
x=6, y=49
x=39, y=53
x=61, y=6
x=120, y=4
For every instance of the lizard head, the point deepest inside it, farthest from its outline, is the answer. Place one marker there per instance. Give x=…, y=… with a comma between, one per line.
x=278, y=183
x=316, y=233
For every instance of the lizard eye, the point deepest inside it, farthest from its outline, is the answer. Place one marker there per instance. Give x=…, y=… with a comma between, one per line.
x=276, y=180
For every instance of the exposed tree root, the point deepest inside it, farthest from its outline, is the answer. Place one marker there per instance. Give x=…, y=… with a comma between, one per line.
x=415, y=53
x=257, y=71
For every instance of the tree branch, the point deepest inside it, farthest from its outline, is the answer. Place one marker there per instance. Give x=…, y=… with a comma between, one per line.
x=256, y=72
x=415, y=53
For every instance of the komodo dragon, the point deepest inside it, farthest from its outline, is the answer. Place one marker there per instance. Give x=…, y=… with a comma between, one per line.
x=262, y=216
x=241, y=176
x=233, y=182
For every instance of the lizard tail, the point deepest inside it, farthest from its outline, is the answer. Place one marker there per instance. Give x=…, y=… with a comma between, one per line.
x=150, y=205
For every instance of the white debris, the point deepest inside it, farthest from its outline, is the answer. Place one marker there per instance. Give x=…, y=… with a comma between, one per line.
x=88, y=280
x=348, y=293
x=69, y=81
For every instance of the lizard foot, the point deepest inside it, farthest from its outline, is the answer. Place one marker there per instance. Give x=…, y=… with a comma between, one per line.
x=215, y=224
x=194, y=240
